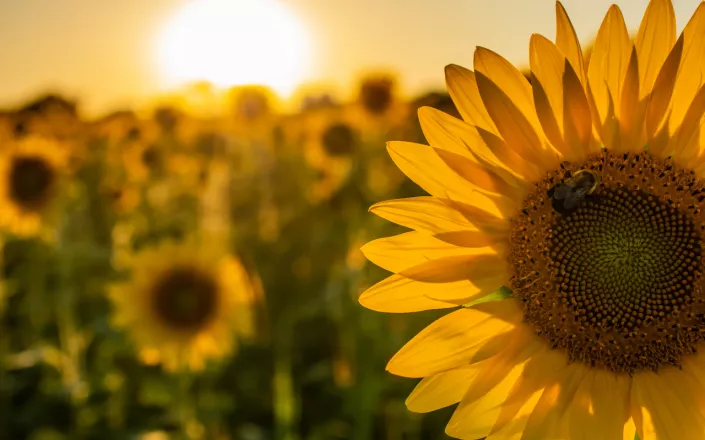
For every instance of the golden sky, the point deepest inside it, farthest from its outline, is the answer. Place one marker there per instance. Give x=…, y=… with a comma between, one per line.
x=103, y=52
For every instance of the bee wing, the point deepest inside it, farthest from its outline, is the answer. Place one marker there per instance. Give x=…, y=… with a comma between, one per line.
x=570, y=203
x=562, y=191
x=577, y=195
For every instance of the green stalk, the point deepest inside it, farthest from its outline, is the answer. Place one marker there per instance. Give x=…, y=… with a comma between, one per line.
x=285, y=404
x=70, y=339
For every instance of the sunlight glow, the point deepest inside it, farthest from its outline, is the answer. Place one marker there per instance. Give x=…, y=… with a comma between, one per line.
x=234, y=42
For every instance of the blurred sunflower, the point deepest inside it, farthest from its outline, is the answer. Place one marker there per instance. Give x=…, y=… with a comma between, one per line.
x=378, y=108
x=331, y=145
x=184, y=305
x=581, y=193
x=377, y=93
x=30, y=184
x=252, y=113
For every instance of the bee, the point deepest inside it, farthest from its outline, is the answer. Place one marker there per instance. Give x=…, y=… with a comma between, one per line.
x=566, y=196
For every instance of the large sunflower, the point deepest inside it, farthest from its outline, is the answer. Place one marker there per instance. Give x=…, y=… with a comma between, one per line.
x=184, y=304
x=31, y=172
x=580, y=191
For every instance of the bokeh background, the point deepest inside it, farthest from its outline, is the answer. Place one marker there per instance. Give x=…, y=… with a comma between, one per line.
x=257, y=124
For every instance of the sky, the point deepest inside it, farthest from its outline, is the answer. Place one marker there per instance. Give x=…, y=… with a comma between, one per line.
x=103, y=52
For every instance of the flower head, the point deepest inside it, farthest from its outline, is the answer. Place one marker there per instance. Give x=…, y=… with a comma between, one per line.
x=576, y=196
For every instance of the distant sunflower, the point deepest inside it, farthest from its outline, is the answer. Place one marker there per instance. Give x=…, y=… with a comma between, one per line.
x=581, y=192
x=30, y=179
x=377, y=93
x=339, y=139
x=331, y=142
x=184, y=305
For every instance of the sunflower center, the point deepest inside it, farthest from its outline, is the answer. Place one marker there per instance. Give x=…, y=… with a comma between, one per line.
x=339, y=140
x=616, y=279
x=185, y=299
x=376, y=95
x=30, y=181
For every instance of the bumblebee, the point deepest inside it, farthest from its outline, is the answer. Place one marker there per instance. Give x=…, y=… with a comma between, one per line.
x=567, y=196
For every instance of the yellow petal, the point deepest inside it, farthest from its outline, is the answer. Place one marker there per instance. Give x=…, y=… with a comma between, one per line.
x=398, y=294
x=606, y=72
x=462, y=87
x=422, y=165
x=410, y=249
x=547, y=65
x=482, y=404
x=473, y=419
x=523, y=345
x=660, y=98
x=490, y=148
x=629, y=432
x=631, y=111
x=685, y=143
x=654, y=42
x=480, y=283
x=508, y=199
x=454, y=278
x=482, y=269
x=423, y=213
x=665, y=405
x=482, y=220
x=567, y=41
x=514, y=428
x=474, y=239
x=447, y=343
x=484, y=144
x=510, y=81
x=600, y=406
x=561, y=104
x=441, y=390
x=546, y=369
x=445, y=132
x=508, y=99
x=691, y=71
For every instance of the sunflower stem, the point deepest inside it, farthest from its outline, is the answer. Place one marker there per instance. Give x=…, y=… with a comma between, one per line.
x=184, y=407
x=5, y=399
x=285, y=405
x=70, y=340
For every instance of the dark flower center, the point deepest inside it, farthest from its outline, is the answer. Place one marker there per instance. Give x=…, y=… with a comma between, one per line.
x=339, y=140
x=376, y=95
x=615, y=280
x=152, y=158
x=30, y=181
x=185, y=299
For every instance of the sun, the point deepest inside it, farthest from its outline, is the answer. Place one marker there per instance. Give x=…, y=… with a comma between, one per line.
x=234, y=42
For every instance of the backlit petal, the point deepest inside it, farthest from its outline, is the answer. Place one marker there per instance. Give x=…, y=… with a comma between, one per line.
x=462, y=87
x=441, y=390
x=410, y=249
x=606, y=72
x=654, y=41
x=429, y=214
x=567, y=41
x=447, y=343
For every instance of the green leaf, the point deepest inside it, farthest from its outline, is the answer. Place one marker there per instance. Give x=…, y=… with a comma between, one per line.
x=636, y=436
x=500, y=294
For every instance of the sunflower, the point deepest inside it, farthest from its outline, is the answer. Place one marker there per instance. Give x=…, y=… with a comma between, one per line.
x=576, y=197
x=185, y=304
x=330, y=142
x=377, y=109
x=31, y=171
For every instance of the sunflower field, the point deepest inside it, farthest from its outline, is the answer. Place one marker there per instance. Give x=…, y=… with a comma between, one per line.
x=251, y=273
x=170, y=276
